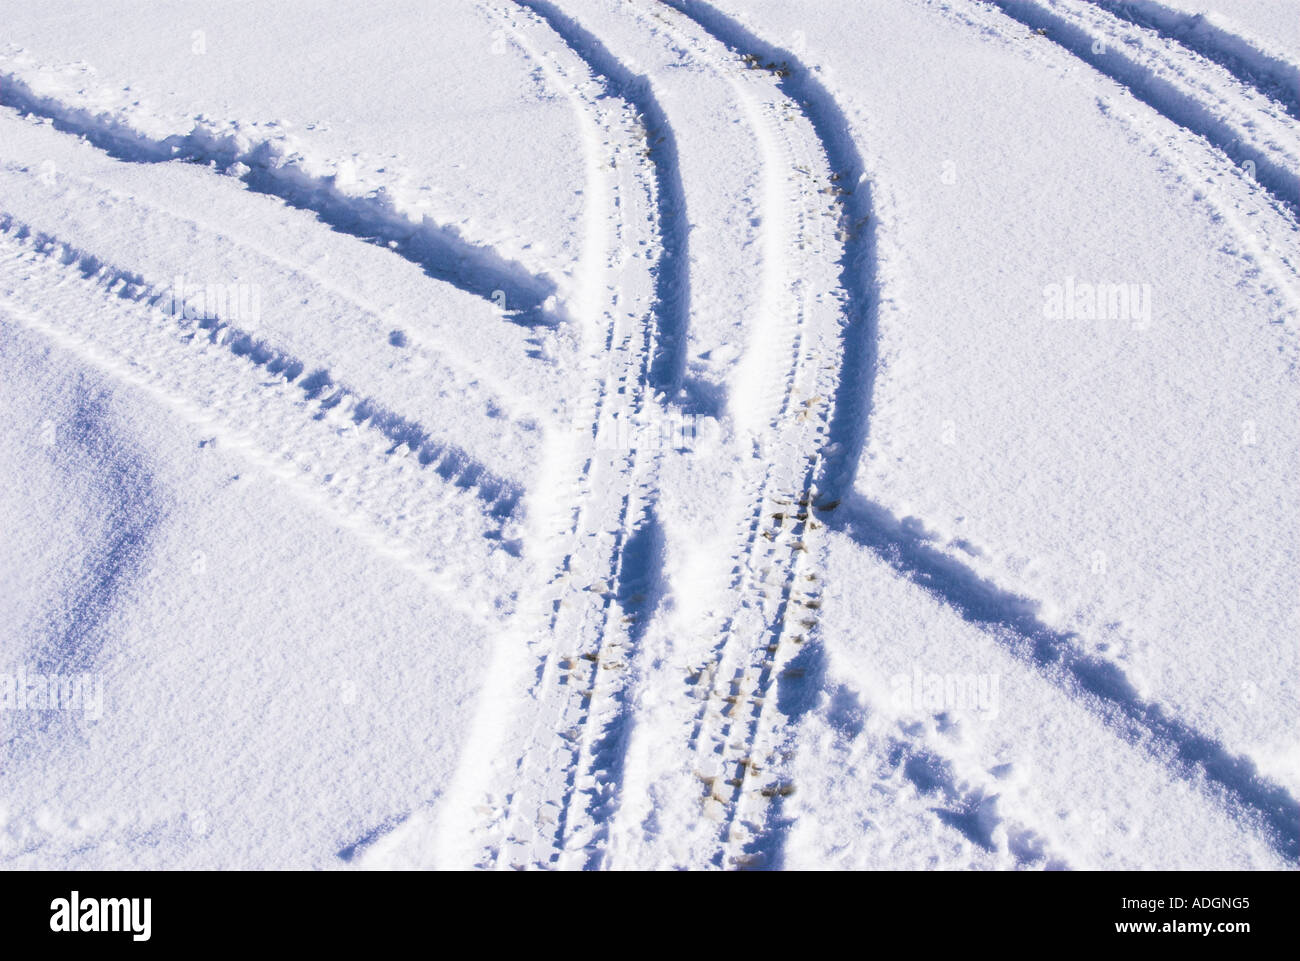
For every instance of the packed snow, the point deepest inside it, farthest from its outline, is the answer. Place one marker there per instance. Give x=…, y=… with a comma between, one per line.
x=647, y=434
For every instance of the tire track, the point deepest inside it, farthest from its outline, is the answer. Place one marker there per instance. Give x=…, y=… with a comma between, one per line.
x=559, y=770
x=1247, y=59
x=480, y=395
x=672, y=274
x=743, y=735
x=792, y=356
x=334, y=448
x=500, y=497
x=1060, y=659
x=1179, y=84
x=1260, y=224
x=625, y=380
x=444, y=363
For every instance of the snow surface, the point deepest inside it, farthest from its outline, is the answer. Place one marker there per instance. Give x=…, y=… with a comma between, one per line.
x=637, y=434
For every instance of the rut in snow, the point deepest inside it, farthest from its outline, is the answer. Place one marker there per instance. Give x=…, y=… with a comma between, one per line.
x=453, y=464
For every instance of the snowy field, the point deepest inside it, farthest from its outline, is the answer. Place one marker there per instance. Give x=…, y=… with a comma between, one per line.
x=650, y=434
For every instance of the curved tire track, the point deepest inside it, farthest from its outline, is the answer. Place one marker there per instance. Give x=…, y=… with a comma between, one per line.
x=1249, y=60
x=1194, y=756
x=556, y=779
x=744, y=734
x=328, y=444
x=1177, y=83
x=796, y=345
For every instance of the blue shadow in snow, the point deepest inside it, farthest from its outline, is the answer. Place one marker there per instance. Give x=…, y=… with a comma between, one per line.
x=127, y=526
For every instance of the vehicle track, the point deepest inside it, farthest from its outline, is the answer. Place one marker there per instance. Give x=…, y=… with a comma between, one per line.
x=335, y=449
x=479, y=392
x=794, y=346
x=1190, y=90
x=742, y=738
x=1250, y=60
x=556, y=776
x=672, y=273
x=439, y=360
x=1262, y=224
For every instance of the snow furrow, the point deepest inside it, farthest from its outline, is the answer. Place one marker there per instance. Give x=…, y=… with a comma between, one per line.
x=438, y=359
x=672, y=276
x=761, y=658
x=480, y=396
x=500, y=497
x=1060, y=658
x=1262, y=227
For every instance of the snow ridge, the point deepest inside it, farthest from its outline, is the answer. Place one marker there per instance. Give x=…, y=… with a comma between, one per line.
x=271, y=165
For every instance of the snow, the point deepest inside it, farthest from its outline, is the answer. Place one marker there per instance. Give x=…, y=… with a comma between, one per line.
x=651, y=434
